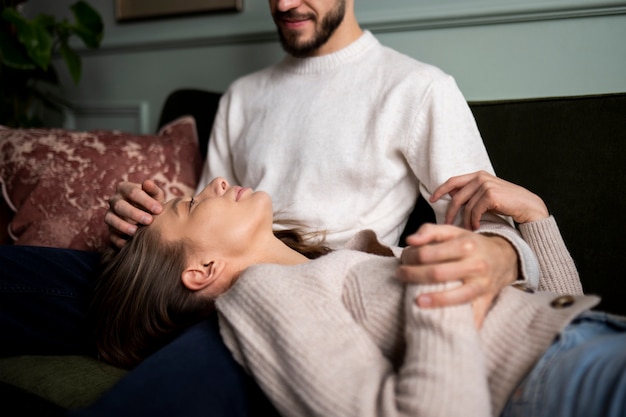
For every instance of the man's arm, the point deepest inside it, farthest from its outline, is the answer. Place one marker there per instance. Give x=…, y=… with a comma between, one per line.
x=444, y=143
x=489, y=259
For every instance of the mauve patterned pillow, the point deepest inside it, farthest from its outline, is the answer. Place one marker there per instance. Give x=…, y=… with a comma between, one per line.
x=58, y=182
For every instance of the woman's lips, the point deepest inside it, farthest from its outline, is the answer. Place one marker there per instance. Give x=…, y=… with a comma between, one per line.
x=240, y=192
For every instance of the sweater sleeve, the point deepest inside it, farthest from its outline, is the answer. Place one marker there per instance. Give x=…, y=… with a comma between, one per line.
x=558, y=271
x=527, y=260
x=444, y=371
x=311, y=358
x=445, y=143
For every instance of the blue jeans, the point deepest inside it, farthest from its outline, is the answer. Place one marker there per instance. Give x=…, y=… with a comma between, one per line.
x=582, y=374
x=44, y=294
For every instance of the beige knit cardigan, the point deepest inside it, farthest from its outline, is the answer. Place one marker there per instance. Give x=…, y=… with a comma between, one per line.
x=341, y=336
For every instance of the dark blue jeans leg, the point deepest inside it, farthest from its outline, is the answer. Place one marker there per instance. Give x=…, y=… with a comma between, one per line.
x=43, y=300
x=194, y=375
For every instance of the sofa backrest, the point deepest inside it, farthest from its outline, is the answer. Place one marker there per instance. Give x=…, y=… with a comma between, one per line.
x=571, y=151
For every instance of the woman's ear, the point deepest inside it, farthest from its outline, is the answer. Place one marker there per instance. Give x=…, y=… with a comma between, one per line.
x=198, y=277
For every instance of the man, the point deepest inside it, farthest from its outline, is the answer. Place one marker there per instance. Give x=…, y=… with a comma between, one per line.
x=343, y=134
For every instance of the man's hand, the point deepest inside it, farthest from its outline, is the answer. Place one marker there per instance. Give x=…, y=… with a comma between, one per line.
x=132, y=204
x=480, y=192
x=441, y=253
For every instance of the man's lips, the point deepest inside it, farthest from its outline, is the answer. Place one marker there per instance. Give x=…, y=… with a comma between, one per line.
x=293, y=24
x=290, y=21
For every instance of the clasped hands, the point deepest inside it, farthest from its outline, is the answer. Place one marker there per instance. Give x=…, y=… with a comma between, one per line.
x=484, y=264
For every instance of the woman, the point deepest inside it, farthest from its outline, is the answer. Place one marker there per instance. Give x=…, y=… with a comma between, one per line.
x=341, y=335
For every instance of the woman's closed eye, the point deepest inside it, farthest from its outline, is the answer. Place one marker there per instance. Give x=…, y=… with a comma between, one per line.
x=191, y=203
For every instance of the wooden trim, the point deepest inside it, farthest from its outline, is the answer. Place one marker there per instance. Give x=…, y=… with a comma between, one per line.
x=148, y=9
x=135, y=116
x=439, y=17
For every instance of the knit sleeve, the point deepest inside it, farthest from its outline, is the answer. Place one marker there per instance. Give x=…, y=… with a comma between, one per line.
x=311, y=358
x=444, y=371
x=527, y=260
x=445, y=142
x=558, y=271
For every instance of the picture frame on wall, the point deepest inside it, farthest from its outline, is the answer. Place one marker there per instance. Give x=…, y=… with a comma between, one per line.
x=151, y=9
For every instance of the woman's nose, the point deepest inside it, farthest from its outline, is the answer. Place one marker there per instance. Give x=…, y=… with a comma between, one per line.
x=219, y=186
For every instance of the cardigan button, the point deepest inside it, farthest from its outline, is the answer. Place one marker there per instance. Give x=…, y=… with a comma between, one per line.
x=523, y=287
x=563, y=301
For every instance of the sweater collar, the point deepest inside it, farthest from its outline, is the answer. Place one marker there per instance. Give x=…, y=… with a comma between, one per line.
x=321, y=64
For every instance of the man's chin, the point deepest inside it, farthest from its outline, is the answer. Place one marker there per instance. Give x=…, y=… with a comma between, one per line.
x=296, y=46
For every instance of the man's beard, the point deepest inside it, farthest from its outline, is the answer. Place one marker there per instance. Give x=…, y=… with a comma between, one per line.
x=323, y=32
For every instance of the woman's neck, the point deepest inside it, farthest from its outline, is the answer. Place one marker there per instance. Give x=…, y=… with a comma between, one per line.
x=288, y=256
x=275, y=251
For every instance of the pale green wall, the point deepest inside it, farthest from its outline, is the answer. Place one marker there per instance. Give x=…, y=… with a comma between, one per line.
x=495, y=49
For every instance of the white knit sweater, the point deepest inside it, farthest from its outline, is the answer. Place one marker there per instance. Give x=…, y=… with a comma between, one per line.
x=346, y=141
x=340, y=336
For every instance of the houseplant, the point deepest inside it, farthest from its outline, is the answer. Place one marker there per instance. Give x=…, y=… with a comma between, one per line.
x=29, y=84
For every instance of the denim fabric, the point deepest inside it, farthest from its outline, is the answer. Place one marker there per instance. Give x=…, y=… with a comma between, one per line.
x=43, y=300
x=44, y=295
x=582, y=374
x=195, y=375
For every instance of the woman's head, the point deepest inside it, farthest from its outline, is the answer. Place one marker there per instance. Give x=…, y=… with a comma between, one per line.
x=167, y=276
x=225, y=229
x=139, y=302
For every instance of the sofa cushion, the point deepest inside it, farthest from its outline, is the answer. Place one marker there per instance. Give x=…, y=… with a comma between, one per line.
x=58, y=182
x=77, y=380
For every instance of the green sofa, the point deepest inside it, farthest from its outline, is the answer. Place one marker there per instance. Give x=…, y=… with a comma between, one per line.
x=569, y=150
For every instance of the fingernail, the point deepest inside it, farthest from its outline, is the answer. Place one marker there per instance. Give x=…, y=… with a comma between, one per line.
x=146, y=220
x=132, y=230
x=424, y=301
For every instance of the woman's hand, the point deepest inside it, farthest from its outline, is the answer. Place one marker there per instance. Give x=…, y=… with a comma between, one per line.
x=132, y=204
x=480, y=192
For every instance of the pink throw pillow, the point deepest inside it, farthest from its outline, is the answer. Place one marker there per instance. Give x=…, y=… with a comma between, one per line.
x=58, y=182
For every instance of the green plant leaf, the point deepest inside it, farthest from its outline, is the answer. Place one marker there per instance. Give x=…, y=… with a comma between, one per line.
x=44, y=20
x=89, y=26
x=35, y=38
x=72, y=60
x=13, y=54
x=28, y=79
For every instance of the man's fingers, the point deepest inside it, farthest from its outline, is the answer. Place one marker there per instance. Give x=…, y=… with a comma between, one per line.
x=459, y=295
x=440, y=272
x=441, y=246
x=461, y=198
x=117, y=240
x=430, y=233
x=123, y=209
x=477, y=205
x=480, y=307
x=119, y=225
x=141, y=199
x=450, y=185
x=154, y=191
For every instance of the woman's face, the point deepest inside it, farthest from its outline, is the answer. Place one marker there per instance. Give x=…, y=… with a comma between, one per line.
x=222, y=219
